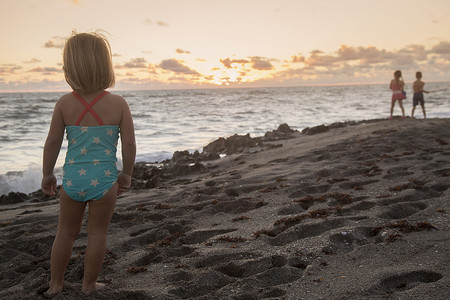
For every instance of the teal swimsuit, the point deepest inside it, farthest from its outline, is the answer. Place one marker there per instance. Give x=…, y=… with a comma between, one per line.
x=90, y=167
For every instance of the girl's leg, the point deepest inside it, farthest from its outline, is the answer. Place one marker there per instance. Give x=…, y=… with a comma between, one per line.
x=100, y=213
x=392, y=107
x=70, y=219
x=400, y=103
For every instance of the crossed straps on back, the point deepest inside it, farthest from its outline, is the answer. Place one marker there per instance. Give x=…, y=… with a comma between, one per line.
x=88, y=107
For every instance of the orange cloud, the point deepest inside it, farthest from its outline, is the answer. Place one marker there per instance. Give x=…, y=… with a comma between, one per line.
x=175, y=66
x=261, y=63
x=181, y=51
x=298, y=59
x=227, y=62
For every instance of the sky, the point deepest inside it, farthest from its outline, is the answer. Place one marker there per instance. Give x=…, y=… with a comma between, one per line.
x=174, y=44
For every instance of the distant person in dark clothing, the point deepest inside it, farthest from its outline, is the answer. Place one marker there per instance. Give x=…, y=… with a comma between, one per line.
x=418, y=94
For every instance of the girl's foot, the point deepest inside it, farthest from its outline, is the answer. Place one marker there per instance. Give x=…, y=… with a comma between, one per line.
x=52, y=292
x=390, y=118
x=98, y=286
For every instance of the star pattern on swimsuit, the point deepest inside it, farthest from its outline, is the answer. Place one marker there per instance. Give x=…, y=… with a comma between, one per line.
x=82, y=171
x=69, y=183
x=83, y=151
x=84, y=129
x=108, y=151
x=95, y=162
x=109, y=132
x=107, y=173
x=73, y=141
x=94, y=182
x=71, y=161
x=96, y=140
x=82, y=193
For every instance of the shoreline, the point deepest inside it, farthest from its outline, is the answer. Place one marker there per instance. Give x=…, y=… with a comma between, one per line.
x=34, y=196
x=335, y=212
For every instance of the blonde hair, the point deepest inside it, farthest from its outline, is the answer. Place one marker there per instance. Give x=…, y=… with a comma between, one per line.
x=88, y=62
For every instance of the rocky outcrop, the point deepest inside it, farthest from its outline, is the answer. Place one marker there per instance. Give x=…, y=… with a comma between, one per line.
x=150, y=175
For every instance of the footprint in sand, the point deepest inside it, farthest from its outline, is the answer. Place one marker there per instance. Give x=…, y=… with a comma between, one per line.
x=402, y=210
x=405, y=281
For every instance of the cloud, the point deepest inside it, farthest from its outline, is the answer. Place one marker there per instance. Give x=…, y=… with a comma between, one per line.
x=32, y=61
x=158, y=23
x=297, y=59
x=9, y=68
x=176, y=67
x=33, y=85
x=261, y=63
x=139, y=62
x=45, y=71
x=417, y=51
x=346, y=64
x=318, y=59
x=161, y=23
x=181, y=51
x=442, y=48
x=152, y=69
x=346, y=54
x=227, y=62
x=56, y=42
x=363, y=64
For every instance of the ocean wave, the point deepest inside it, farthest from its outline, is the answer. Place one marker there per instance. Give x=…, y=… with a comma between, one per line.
x=26, y=181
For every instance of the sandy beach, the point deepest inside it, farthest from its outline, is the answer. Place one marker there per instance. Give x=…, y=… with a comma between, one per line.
x=356, y=210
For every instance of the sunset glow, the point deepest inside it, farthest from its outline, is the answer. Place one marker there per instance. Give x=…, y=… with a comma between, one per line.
x=203, y=44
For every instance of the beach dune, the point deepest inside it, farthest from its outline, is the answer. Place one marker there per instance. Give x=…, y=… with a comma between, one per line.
x=356, y=210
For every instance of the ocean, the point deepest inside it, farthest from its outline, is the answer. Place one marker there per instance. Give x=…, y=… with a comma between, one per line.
x=173, y=120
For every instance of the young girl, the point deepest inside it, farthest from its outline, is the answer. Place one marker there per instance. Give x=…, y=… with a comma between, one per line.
x=397, y=86
x=92, y=118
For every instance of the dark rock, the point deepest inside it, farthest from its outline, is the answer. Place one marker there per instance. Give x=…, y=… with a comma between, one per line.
x=13, y=197
x=181, y=157
x=231, y=145
x=315, y=130
x=153, y=182
x=283, y=132
x=150, y=175
x=181, y=170
x=39, y=196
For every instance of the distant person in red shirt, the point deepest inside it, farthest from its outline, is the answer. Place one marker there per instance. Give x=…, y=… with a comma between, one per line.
x=397, y=86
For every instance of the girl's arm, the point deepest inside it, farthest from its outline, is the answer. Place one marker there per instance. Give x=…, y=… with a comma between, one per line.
x=51, y=151
x=128, y=141
x=402, y=83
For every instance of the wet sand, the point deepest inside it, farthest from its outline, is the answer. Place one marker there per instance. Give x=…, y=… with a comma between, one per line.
x=358, y=211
